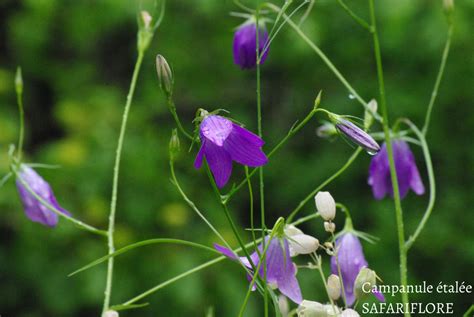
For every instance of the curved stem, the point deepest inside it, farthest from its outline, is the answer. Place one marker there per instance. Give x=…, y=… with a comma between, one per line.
x=323, y=184
x=118, y=156
x=327, y=61
x=393, y=172
x=356, y=18
x=141, y=244
x=434, y=93
x=172, y=108
x=431, y=178
x=78, y=223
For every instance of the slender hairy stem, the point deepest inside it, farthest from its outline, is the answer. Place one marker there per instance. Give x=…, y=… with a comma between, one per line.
x=172, y=109
x=393, y=172
x=252, y=224
x=78, y=223
x=113, y=202
x=327, y=61
x=323, y=184
x=358, y=19
x=431, y=178
x=260, y=170
x=434, y=93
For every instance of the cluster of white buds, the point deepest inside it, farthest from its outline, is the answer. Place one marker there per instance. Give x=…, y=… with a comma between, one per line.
x=300, y=243
x=326, y=206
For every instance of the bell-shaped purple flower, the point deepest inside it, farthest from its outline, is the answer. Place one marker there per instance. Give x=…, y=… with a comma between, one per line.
x=280, y=270
x=350, y=257
x=245, y=47
x=223, y=142
x=405, y=165
x=34, y=209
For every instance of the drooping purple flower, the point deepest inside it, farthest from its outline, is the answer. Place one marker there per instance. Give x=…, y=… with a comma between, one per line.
x=245, y=47
x=223, y=142
x=357, y=135
x=350, y=257
x=405, y=165
x=280, y=270
x=34, y=209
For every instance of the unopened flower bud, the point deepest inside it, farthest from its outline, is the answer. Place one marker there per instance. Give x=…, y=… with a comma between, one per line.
x=145, y=19
x=291, y=230
x=329, y=226
x=302, y=244
x=334, y=286
x=110, y=313
x=18, y=81
x=368, y=117
x=448, y=6
x=364, y=282
x=165, y=75
x=309, y=308
x=326, y=130
x=283, y=305
x=325, y=205
x=355, y=134
x=349, y=313
x=174, y=145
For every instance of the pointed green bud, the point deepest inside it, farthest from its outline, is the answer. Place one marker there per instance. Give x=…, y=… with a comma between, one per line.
x=145, y=31
x=368, y=117
x=165, y=75
x=364, y=282
x=448, y=8
x=317, y=101
x=174, y=145
x=18, y=81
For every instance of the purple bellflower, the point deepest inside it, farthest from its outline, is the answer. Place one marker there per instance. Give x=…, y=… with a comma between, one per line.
x=350, y=257
x=223, y=142
x=357, y=135
x=280, y=270
x=34, y=209
x=407, y=172
x=245, y=47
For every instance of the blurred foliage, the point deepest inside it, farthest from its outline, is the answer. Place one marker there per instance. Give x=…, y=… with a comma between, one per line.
x=77, y=58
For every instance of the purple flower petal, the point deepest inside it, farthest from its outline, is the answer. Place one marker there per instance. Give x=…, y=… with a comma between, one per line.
x=34, y=209
x=245, y=150
x=200, y=156
x=405, y=165
x=351, y=260
x=219, y=162
x=244, y=45
x=379, y=296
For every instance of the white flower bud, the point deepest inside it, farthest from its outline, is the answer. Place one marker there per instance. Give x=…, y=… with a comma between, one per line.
x=291, y=230
x=334, y=286
x=350, y=313
x=364, y=282
x=329, y=226
x=325, y=205
x=302, y=244
x=309, y=308
x=283, y=305
x=110, y=313
x=146, y=19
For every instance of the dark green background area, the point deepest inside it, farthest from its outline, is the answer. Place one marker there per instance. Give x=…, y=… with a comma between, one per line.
x=77, y=58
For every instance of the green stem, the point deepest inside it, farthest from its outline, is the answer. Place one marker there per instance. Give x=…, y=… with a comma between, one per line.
x=358, y=19
x=113, y=203
x=193, y=206
x=434, y=93
x=201, y=267
x=141, y=244
x=323, y=184
x=78, y=223
x=21, y=112
x=327, y=61
x=293, y=130
x=339, y=272
x=431, y=178
x=172, y=108
x=319, y=264
x=252, y=225
x=393, y=172
x=260, y=170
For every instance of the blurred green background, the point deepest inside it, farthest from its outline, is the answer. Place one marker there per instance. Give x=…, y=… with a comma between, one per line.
x=77, y=58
